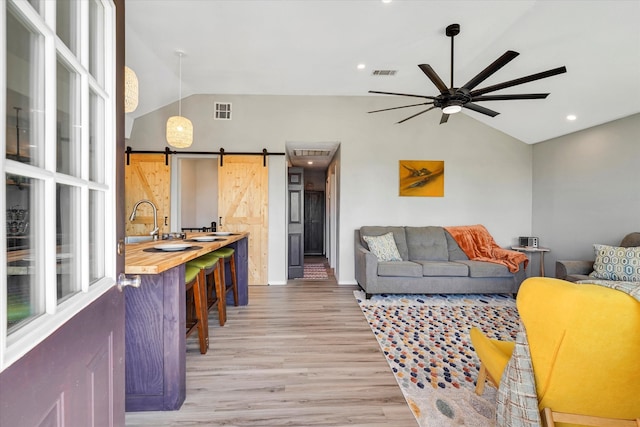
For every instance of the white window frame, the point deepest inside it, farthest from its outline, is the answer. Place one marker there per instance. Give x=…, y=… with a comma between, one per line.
x=17, y=344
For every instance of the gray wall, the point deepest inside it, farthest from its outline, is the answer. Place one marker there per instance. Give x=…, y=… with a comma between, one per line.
x=488, y=175
x=586, y=189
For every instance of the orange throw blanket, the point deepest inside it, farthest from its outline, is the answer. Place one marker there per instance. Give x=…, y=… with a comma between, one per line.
x=478, y=244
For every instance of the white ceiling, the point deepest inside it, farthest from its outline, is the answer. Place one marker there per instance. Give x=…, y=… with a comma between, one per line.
x=312, y=47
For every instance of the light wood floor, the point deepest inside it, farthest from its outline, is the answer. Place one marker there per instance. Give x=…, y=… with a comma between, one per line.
x=298, y=355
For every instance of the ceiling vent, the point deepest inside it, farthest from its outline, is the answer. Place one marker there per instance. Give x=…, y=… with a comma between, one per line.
x=384, y=72
x=311, y=152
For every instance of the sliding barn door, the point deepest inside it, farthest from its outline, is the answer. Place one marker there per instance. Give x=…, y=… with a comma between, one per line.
x=147, y=177
x=243, y=202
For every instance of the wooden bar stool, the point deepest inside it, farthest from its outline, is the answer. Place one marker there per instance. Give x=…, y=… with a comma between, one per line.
x=228, y=253
x=209, y=268
x=196, y=313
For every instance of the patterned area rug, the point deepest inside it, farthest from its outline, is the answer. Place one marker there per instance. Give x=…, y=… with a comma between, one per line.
x=315, y=271
x=425, y=339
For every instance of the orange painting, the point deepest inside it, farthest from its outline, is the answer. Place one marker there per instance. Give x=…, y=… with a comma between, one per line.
x=422, y=178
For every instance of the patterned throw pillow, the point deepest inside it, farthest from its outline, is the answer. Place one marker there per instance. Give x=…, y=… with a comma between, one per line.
x=383, y=247
x=616, y=263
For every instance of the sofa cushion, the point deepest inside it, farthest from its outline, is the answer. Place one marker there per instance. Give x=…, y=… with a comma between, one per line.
x=383, y=247
x=486, y=269
x=427, y=243
x=399, y=269
x=398, y=236
x=443, y=268
x=616, y=263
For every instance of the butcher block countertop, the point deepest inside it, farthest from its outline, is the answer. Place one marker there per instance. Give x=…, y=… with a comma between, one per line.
x=144, y=258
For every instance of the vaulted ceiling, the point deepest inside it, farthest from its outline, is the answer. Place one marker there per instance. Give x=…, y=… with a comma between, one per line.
x=313, y=47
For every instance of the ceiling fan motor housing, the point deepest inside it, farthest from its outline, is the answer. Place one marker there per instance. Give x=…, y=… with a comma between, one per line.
x=453, y=30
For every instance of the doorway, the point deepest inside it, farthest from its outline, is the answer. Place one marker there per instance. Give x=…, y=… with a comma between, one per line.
x=318, y=165
x=314, y=223
x=194, y=192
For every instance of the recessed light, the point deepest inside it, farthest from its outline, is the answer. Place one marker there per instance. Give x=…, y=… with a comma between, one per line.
x=309, y=163
x=386, y=1
x=361, y=66
x=571, y=117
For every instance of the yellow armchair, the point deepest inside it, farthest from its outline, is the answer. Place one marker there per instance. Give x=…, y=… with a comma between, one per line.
x=494, y=355
x=584, y=342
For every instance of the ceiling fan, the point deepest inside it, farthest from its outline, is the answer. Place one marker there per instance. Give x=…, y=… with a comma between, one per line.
x=452, y=99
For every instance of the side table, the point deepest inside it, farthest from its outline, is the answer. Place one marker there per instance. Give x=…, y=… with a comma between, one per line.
x=531, y=249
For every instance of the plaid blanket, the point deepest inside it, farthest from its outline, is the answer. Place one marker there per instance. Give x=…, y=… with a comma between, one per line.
x=517, y=400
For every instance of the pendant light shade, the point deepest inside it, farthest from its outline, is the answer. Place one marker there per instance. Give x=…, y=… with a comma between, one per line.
x=130, y=90
x=179, y=129
x=179, y=132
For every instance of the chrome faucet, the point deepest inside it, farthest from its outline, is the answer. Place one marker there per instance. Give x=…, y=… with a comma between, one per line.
x=155, y=230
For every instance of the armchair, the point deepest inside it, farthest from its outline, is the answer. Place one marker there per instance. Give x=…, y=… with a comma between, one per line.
x=584, y=341
x=574, y=271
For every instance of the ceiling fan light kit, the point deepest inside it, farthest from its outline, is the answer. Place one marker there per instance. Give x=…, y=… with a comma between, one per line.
x=453, y=99
x=452, y=109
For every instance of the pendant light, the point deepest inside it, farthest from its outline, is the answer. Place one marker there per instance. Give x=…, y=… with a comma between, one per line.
x=179, y=129
x=130, y=90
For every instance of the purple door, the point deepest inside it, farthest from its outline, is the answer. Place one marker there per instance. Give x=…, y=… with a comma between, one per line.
x=75, y=377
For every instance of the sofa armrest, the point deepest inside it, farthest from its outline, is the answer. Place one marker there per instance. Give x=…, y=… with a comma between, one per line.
x=568, y=268
x=520, y=276
x=366, y=264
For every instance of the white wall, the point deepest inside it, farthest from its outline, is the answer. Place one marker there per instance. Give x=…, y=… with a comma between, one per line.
x=187, y=195
x=587, y=189
x=487, y=173
x=198, y=192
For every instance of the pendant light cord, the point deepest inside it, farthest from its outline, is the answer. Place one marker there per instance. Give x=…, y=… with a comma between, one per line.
x=180, y=85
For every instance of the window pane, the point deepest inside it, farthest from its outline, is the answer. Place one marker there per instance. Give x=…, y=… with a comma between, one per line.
x=25, y=293
x=25, y=87
x=68, y=240
x=96, y=138
x=67, y=23
x=96, y=236
x=96, y=41
x=35, y=4
x=68, y=159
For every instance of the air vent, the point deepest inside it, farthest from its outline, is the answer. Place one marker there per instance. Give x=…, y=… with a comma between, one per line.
x=384, y=72
x=311, y=152
x=222, y=111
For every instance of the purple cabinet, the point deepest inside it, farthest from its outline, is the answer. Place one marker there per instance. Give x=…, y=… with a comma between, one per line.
x=155, y=356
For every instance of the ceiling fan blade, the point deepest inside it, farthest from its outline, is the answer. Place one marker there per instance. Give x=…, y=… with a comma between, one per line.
x=411, y=117
x=479, y=109
x=520, y=81
x=508, y=97
x=444, y=118
x=507, y=57
x=433, y=76
x=404, y=106
x=402, y=94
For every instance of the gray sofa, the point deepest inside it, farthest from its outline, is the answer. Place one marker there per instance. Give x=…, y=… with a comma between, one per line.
x=576, y=270
x=432, y=263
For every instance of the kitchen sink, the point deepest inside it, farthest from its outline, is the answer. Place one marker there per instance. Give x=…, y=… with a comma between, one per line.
x=138, y=239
